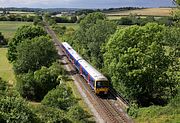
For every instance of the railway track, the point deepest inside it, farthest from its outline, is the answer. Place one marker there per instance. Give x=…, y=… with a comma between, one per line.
x=108, y=109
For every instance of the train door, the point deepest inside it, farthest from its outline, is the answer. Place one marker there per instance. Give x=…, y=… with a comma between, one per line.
x=80, y=70
x=88, y=78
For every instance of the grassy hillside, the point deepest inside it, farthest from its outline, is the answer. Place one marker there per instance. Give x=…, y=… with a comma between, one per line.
x=8, y=28
x=6, y=71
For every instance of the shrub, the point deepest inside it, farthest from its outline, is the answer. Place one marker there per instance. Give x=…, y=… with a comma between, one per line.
x=35, y=85
x=15, y=110
x=77, y=115
x=50, y=115
x=61, y=98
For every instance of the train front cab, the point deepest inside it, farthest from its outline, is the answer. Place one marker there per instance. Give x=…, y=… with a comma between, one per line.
x=101, y=87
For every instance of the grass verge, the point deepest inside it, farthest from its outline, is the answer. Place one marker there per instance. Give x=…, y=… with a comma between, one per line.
x=6, y=71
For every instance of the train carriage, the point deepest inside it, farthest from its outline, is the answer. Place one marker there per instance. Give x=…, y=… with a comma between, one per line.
x=73, y=56
x=98, y=82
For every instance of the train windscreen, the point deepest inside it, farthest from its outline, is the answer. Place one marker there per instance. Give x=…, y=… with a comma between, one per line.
x=102, y=84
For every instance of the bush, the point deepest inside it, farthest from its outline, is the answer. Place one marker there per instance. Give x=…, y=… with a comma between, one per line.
x=59, y=29
x=2, y=40
x=125, y=21
x=3, y=87
x=50, y=115
x=15, y=110
x=26, y=86
x=77, y=115
x=34, y=86
x=61, y=98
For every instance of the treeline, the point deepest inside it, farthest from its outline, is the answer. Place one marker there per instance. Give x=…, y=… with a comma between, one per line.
x=20, y=9
x=39, y=78
x=40, y=10
x=121, y=9
x=88, y=11
x=18, y=17
x=137, y=20
x=63, y=19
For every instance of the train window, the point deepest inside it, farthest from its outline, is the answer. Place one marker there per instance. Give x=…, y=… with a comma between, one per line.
x=77, y=64
x=85, y=73
x=91, y=79
x=102, y=84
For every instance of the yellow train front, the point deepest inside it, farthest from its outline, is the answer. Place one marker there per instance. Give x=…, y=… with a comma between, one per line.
x=97, y=81
x=101, y=87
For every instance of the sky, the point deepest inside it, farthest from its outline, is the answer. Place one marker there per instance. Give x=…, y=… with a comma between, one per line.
x=84, y=3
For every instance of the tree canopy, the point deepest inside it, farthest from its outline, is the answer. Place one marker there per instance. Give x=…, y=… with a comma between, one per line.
x=32, y=54
x=137, y=63
x=35, y=85
x=177, y=2
x=3, y=87
x=15, y=110
x=22, y=34
x=61, y=98
x=93, y=32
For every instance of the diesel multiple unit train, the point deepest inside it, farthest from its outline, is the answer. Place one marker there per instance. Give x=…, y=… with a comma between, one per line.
x=97, y=81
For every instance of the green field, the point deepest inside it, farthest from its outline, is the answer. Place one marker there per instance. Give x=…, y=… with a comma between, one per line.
x=20, y=12
x=157, y=12
x=68, y=25
x=6, y=71
x=8, y=28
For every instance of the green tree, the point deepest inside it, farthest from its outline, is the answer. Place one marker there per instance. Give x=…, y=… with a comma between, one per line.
x=32, y=54
x=59, y=29
x=91, y=19
x=171, y=38
x=125, y=21
x=177, y=1
x=137, y=63
x=3, y=87
x=22, y=34
x=77, y=115
x=2, y=40
x=51, y=115
x=26, y=86
x=93, y=32
x=73, y=19
x=47, y=79
x=61, y=98
x=34, y=86
x=37, y=20
x=15, y=110
x=96, y=36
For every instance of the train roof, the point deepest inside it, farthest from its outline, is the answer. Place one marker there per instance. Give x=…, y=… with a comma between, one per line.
x=72, y=51
x=92, y=71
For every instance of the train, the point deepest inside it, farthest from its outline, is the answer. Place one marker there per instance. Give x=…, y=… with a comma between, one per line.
x=97, y=81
